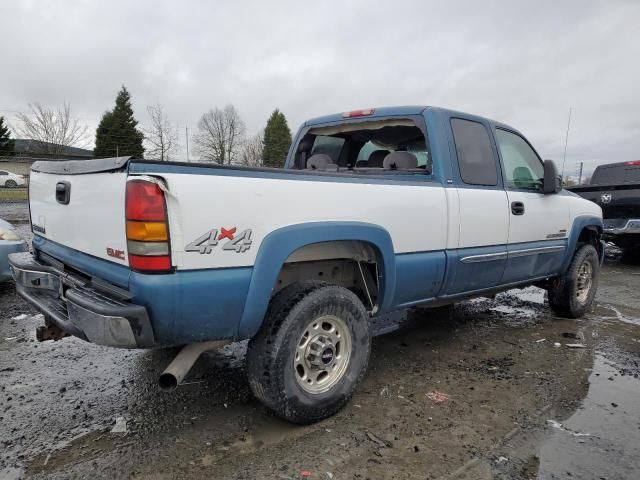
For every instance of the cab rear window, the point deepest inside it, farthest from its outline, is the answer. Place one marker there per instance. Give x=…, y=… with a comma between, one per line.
x=616, y=174
x=369, y=146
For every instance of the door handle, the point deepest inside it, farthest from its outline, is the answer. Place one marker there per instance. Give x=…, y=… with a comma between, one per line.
x=63, y=192
x=517, y=208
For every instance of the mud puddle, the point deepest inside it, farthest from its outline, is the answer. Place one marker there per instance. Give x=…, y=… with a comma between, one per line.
x=602, y=439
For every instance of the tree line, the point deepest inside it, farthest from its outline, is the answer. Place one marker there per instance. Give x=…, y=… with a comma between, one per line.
x=221, y=135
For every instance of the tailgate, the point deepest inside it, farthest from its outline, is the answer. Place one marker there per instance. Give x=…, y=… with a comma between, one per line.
x=81, y=204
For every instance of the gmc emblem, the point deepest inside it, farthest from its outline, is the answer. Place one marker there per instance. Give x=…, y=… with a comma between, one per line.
x=115, y=253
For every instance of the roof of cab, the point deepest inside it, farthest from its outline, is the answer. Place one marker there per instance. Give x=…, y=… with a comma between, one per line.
x=377, y=112
x=399, y=111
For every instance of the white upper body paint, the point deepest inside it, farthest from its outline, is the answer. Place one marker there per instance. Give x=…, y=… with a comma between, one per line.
x=419, y=218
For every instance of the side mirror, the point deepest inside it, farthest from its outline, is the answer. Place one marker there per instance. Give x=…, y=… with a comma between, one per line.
x=551, y=182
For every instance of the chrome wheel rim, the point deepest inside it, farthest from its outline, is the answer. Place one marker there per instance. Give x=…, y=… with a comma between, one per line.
x=584, y=282
x=322, y=354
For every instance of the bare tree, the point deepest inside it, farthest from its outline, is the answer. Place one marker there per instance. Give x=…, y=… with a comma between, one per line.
x=52, y=129
x=251, y=153
x=220, y=134
x=161, y=138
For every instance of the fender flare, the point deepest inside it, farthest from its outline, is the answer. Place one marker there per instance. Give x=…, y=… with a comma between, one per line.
x=279, y=244
x=579, y=224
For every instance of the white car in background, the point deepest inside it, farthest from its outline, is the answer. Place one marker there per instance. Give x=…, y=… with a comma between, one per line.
x=11, y=180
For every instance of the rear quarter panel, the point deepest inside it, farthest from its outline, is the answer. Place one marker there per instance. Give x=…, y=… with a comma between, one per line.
x=415, y=215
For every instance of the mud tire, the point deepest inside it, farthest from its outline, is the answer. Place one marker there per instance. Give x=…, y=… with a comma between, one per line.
x=563, y=291
x=270, y=355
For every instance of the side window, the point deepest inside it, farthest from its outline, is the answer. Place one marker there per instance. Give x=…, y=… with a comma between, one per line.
x=366, y=150
x=475, y=156
x=3, y=173
x=522, y=167
x=331, y=146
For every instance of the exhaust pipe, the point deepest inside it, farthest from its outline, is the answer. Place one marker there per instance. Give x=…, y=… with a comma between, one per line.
x=180, y=366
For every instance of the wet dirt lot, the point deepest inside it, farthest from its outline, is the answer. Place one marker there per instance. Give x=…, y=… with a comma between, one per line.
x=515, y=404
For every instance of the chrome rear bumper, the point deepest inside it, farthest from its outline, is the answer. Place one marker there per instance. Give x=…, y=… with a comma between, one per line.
x=74, y=305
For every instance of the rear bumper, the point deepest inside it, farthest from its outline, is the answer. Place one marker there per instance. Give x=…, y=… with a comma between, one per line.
x=72, y=304
x=631, y=225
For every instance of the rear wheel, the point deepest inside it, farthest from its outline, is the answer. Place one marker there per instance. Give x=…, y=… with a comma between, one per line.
x=311, y=352
x=572, y=293
x=10, y=184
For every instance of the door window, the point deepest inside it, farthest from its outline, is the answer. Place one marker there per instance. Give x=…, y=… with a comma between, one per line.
x=331, y=146
x=3, y=173
x=523, y=169
x=475, y=157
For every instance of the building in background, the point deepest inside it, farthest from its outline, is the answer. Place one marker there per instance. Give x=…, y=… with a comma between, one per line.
x=28, y=151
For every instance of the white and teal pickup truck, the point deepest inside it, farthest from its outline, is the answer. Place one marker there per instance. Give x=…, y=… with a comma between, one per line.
x=376, y=210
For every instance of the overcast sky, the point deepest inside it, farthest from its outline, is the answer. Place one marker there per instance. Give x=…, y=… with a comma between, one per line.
x=523, y=63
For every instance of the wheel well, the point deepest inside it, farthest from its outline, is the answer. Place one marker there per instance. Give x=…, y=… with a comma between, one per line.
x=352, y=264
x=590, y=235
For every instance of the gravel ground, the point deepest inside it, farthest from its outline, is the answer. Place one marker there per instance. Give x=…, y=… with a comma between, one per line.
x=515, y=405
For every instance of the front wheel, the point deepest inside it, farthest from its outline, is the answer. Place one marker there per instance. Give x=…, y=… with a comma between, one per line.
x=572, y=293
x=10, y=184
x=311, y=352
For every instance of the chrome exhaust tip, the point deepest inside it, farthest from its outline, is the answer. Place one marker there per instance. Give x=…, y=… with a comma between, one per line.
x=168, y=382
x=174, y=374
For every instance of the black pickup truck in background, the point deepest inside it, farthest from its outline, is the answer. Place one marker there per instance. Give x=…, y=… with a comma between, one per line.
x=616, y=188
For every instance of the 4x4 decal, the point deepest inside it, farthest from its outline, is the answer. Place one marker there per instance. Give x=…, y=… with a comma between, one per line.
x=205, y=243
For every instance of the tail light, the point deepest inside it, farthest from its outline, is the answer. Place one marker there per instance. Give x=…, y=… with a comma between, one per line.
x=147, y=227
x=635, y=163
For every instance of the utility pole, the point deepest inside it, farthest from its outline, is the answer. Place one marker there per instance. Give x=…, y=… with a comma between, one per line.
x=117, y=151
x=566, y=141
x=580, y=174
x=186, y=133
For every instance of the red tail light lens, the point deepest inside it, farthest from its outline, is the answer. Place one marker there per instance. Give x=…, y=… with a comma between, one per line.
x=635, y=163
x=145, y=203
x=150, y=264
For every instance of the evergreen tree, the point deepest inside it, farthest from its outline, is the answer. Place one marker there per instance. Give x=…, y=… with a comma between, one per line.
x=117, y=134
x=277, y=139
x=6, y=142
